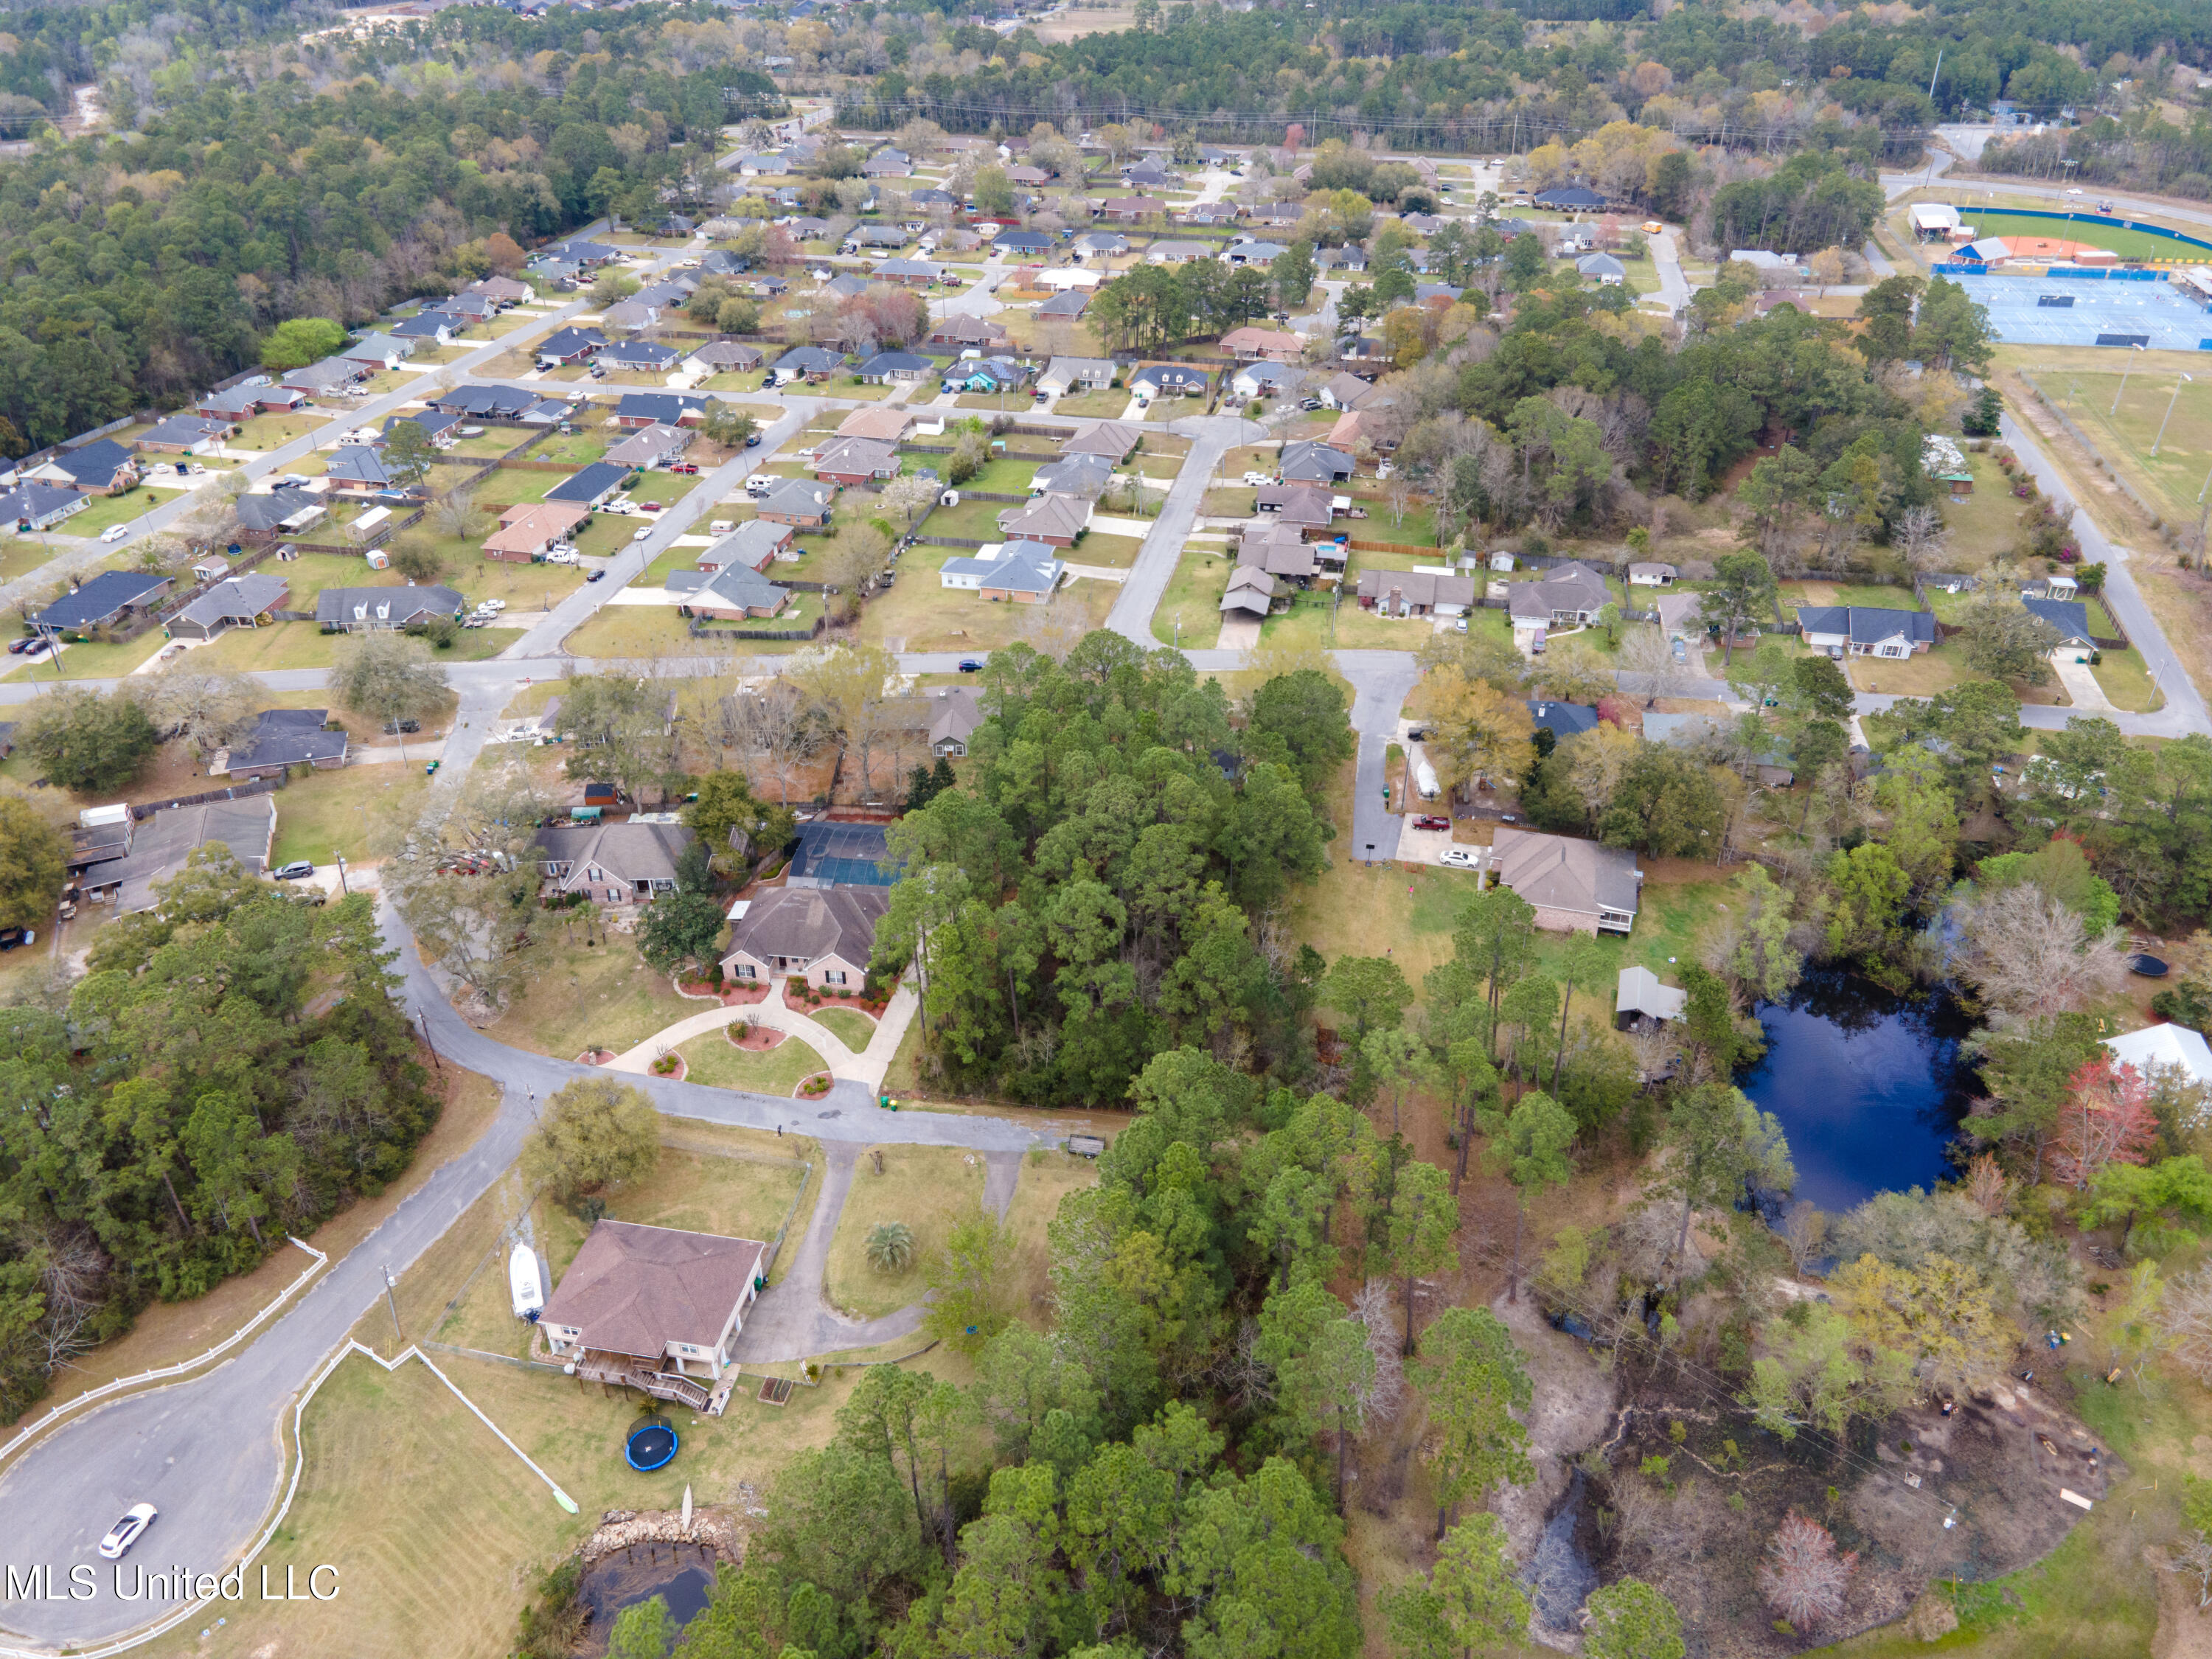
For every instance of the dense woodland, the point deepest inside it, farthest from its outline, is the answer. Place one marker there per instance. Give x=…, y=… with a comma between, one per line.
x=226, y=1072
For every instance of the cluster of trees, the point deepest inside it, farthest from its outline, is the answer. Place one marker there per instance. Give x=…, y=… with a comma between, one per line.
x=145, y=269
x=233, y=1066
x=1100, y=889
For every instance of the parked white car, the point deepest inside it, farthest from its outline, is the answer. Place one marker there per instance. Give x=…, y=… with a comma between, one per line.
x=556, y=556
x=493, y=606
x=1461, y=858
x=115, y=532
x=127, y=1531
x=1257, y=478
x=642, y=534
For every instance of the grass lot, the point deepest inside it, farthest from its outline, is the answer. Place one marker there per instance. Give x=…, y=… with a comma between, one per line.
x=2123, y=678
x=575, y=449
x=2169, y=480
x=109, y=510
x=275, y=431
x=1985, y=523
x=305, y=645
x=89, y=661
x=575, y=995
x=1416, y=529
x=852, y=1029
x=1100, y=405
x=1307, y=625
x=1116, y=552
x=20, y=556
x=930, y=1188
x=716, y=1061
x=1795, y=594
x=1193, y=596
x=919, y=614
x=1912, y=677
x=326, y=813
x=975, y=520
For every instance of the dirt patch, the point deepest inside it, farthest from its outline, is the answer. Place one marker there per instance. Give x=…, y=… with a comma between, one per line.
x=2184, y=1630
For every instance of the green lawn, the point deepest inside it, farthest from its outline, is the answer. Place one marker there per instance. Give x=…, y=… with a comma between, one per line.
x=305, y=645
x=275, y=431
x=2170, y=479
x=107, y=510
x=850, y=1028
x=2128, y=244
x=574, y=995
x=716, y=1061
x=1193, y=596
x=92, y=662
x=2123, y=678
x=574, y=449
x=930, y=1189
x=1103, y=405
x=1307, y=625
x=20, y=556
x=920, y=614
x=321, y=814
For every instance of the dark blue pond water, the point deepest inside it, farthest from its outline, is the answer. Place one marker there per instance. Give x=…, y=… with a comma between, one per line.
x=1868, y=1086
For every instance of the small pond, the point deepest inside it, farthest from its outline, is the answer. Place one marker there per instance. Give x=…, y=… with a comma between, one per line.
x=682, y=1574
x=1868, y=1086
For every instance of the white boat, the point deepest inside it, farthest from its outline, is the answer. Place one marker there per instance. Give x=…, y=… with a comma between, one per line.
x=523, y=1282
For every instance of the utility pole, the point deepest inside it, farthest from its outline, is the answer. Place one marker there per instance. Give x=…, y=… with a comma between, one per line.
x=2170, y=403
x=398, y=1334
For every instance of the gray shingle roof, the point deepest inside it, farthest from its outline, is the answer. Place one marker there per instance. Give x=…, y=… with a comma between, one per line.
x=287, y=737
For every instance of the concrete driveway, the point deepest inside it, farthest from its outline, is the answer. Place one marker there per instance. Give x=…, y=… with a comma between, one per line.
x=2081, y=685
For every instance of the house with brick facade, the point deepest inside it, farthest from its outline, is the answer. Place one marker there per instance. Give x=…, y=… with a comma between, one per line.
x=823, y=935
x=1575, y=886
x=622, y=863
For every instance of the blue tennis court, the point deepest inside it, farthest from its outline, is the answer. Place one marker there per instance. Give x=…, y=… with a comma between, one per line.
x=841, y=855
x=2167, y=319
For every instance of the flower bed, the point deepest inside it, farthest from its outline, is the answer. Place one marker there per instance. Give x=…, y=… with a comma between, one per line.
x=671, y=1065
x=754, y=1039
x=595, y=1056
x=815, y=1087
x=731, y=994
x=797, y=997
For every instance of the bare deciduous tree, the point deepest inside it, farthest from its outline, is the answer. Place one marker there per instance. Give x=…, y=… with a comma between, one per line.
x=1919, y=535
x=2185, y=1318
x=773, y=727
x=1371, y=1308
x=2193, y=1559
x=209, y=707
x=2029, y=955
x=1803, y=1576
x=1804, y=1232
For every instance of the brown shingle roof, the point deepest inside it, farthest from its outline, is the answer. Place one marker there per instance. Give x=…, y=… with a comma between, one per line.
x=635, y=1290
x=805, y=924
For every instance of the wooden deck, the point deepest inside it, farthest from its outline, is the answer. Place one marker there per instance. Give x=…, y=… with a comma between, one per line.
x=625, y=1371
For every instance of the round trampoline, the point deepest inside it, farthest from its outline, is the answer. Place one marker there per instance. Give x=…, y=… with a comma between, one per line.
x=651, y=1444
x=2148, y=966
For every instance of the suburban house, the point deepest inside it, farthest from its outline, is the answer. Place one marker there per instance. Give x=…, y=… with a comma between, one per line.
x=1570, y=198
x=187, y=435
x=112, y=597
x=797, y=502
x=631, y=316
x=1266, y=378
x=823, y=935
x=2071, y=618
x=650, y=447
x=625, y=863
x=1024, y=572
x=1252, y=591
x=1562, y=720
x=1129, y=210
x=345, y=609
x=815, y=363
x=753, y=545
x=1575, y=886
x=963, y=330
x=1071, y=304
x=589, y=486
x=1569, y=595
x=1416, y=593
x=326, y=378
x=1307, y=507
x=1640, y=997
x=1859, y=630
x=1254, y=254
x=242, y=403
x=883, y=423
x=95, y=469
x=1055, y=520
x=285, y=512
x=435, y=327
x=529, y=530
x=733, y=593
x=1343, y=391
x=653, y=1308
x=1647, y=574
x=1211, y=213
x=160, y=845
x=1176, y=253
x=1169, y=380
x=1313, y=463
x=502, y=291
x=1021, y=241
x=378, y=352
x=908, y=273
x=569, y=346
x=1100, y=244
x=1078, y=373
x=640, y=356
x=1082, y=476
x=357, y=469
x=1608, y=270
x=888, y=367
x=1771, y=764
x=236, y=601
x=39, y=506
x=1273, y=344
x=955, y=712
x=1281, y=551
x=283, y=738
x=2162, y=1052
x=887, y=164
x=440, y=427
x=1113, y=439
x=855, y=461
x=724, y=357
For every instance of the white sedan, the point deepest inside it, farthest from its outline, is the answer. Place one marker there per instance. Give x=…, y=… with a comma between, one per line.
x=642, y=534
x=115, y=532
x=1461, y=858
x=127, y=1531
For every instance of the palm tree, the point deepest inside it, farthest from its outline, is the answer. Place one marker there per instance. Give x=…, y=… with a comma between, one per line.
x=890, y=1247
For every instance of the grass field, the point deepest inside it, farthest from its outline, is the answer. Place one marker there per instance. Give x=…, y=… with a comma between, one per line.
x=305, y=645
x=91, y=662
x=2171, y=480
x=852, y=1029
x=326, y=813
x=20, y=556
x=575, y=995
x=106, y=511
x=716, y=1061
x=2128, y=244
x=920, y=614
x=1307, y=624
x=930, y=1188
x=1193, y=596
